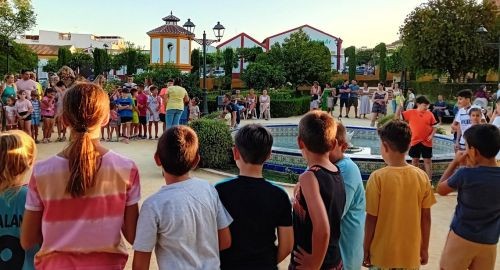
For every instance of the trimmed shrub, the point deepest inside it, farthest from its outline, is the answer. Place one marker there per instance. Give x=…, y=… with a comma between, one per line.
x=290, y=107
x=215, y=143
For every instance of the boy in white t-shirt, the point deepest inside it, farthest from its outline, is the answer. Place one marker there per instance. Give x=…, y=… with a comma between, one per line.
x=185, y=221
x=462, y=118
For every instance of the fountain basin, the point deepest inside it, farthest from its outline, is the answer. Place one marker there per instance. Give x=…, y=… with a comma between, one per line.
x=287, y=158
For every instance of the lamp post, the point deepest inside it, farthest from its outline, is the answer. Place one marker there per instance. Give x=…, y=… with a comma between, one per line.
x=483, y=30
x=106, y=63
x=218, y=33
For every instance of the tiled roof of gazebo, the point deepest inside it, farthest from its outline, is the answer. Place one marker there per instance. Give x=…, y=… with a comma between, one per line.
x=170, y=27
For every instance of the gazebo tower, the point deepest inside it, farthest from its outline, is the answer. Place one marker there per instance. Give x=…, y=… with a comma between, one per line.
x=171, y=43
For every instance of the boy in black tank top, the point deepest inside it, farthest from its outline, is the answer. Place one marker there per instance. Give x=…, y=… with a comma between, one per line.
x=319, y=197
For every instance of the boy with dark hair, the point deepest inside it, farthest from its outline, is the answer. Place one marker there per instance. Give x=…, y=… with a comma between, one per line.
x=319, y=197
x=258, y=207
x=185, y=220
x=142, y=108
x=398, y=201
x=353, y=219
x=474, y=231
x=423, y=127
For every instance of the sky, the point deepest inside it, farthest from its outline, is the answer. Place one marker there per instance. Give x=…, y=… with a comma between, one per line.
x=356, y=22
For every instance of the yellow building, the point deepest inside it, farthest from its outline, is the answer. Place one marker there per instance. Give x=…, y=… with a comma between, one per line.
x=171, y=43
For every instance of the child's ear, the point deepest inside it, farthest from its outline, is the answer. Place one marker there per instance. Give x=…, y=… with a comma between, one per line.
x=300, y=143
x=236, y=153
x=268, y=156
x=157, y=160
x=197, y=161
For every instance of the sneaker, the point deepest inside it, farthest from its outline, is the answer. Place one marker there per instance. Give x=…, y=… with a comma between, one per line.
x=347, y=116
x=144, y=137
x=156, y=137
x=150, y=137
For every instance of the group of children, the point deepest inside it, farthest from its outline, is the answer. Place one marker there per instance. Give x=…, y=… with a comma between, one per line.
x=28, y=110
x=136, y=109
x=235, y=224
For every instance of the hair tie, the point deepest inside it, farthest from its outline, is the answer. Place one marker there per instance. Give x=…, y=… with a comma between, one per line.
x=82, y=129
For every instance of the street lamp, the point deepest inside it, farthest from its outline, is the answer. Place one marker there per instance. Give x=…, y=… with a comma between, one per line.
x=106, y=60
x=483, y=30
x=218, y=33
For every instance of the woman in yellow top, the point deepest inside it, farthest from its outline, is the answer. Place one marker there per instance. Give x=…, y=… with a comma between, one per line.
x=175, y=99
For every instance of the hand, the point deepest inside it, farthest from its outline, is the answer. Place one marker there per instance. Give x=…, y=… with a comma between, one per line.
x=460, y=158
x=457, y=147
x=429, y=138
x=303, y=259
x=366, y=259
x=424, y=257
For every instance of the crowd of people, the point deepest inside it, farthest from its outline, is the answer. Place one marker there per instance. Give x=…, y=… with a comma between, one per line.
x=82, y=203
x=330, y=223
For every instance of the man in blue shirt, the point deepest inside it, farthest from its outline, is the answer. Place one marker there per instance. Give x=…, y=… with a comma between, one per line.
x=475, y=229
x=344, y=98
x=353, y=220
x=439, y=108
x=353, y=98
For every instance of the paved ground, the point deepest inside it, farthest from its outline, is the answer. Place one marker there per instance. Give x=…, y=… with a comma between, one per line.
x=151, y=180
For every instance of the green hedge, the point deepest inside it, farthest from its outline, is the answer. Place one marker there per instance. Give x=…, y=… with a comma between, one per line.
x=215, y=143
x=290, y=107
x=448, y=90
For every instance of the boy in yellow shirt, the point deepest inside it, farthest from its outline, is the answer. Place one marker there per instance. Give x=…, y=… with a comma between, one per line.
x=398, y=201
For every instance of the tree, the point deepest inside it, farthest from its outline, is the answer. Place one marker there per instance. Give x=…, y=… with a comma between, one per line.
x=51, y=66
x=195, y=61
x=132, y=57
x=382, y=54
x=230, y=61
x=249, y=54
x=305, y=61
x=350, y=53
x=16, y=17
x=364, y=57
x=20, y=57
x=100, y=61
x=81, y=63
x=261, y=75
x=63, y=57
x=441, y=35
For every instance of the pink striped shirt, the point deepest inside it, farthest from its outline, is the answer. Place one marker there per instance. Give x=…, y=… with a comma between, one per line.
x=83, y=232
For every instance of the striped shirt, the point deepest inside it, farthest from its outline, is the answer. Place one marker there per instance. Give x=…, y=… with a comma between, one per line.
x=83, y=232
x=36, y=109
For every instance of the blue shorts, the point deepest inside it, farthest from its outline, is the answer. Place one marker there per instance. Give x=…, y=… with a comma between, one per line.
x=35, y=121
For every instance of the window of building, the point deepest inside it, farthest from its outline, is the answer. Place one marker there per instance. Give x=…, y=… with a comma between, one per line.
x=65, y=36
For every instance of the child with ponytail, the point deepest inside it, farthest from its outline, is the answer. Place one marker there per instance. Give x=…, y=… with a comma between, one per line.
x=81, y=200
x=17, y=153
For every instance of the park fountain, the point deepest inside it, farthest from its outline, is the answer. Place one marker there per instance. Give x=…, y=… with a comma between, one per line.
x=364, y=150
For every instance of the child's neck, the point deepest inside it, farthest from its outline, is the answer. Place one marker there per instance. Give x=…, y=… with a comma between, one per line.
x=172, y=179
x=486, y=162
x=250, y=170
x=396, y=160
x=317, y=159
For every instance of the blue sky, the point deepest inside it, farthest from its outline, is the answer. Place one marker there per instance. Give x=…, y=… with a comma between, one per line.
x=357, y=22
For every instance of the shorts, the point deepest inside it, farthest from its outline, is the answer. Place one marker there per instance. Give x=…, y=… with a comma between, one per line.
x=125, y=119
x=314, y=104
x=154, y=117
x=344, y=102
x=353, y=102
x=135, y=118
x=143, y=120
x=114, y=123
x=35, y=121
x=420, y=150
x=162, y=117
x=27, y=118
x=459, y=253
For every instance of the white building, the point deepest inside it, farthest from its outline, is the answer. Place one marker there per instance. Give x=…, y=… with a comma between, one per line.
x=79, y=41
x=240, y=41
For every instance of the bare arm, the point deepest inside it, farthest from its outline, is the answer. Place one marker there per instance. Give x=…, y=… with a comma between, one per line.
x=141, y=260
x=31, y=229
x=224, y=238
x=370, y=225
x=285, y=242
x=443, y=188
x=130, y=222
x=425, y=228
x=321, y=226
